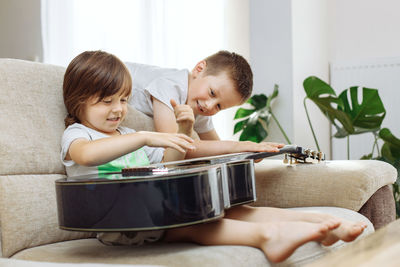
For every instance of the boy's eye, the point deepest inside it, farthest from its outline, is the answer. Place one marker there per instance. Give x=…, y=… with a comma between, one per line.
x=212, y=92
x=124, y=99
x=106, y=101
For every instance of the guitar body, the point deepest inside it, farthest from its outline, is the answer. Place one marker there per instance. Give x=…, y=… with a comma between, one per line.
x=241, y=182
x=144, y=202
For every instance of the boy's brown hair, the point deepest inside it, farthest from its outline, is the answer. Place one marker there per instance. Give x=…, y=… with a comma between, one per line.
x=237, y=68
x=93, y=74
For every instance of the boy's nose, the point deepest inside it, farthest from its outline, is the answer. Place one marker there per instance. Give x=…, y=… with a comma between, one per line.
x=211, y=105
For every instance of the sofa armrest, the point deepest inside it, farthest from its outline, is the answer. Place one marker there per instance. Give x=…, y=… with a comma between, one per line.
x=340, y=183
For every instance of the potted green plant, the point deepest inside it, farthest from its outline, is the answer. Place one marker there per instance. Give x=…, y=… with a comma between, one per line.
x=356, y=118
x=343, y=111
x=253, y=122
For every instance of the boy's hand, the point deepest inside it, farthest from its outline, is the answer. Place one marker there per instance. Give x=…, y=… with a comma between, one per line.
x=262, y=147
x=184, y=117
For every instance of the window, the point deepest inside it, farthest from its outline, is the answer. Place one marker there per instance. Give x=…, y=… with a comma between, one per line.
x=168, y=33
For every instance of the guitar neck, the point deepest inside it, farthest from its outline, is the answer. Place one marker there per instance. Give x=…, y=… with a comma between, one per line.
x=292, y=151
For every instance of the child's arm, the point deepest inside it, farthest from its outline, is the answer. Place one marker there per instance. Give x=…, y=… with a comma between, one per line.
x=185, y=120
x=206, y=148
x=91, y=153
x=210, y=135
x=164, y=118
x=165, y=121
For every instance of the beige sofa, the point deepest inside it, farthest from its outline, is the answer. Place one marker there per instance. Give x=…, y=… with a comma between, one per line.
x=31, y=122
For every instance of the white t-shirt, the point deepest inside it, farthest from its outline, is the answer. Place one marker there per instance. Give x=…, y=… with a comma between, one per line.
x=163, y=84
x=143, y=156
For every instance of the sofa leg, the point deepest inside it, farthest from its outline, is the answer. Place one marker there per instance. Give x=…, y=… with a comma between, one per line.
x=380, y=207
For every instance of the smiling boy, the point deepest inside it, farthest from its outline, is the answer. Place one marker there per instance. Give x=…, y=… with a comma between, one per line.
x=218, y=82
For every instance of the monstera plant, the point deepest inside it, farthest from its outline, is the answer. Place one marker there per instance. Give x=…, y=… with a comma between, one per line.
x=347, y=115
x=350, y=117
x=253, y=122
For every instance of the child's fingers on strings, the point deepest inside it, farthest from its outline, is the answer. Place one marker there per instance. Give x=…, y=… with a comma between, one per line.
x=187, y=138
x=262, y=147
x=279, y=145
x=181, y=144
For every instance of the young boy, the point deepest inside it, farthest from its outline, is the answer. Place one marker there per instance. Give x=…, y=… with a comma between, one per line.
x=220, y=81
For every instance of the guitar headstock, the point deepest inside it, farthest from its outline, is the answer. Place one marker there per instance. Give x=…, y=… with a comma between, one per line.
x=296, y=154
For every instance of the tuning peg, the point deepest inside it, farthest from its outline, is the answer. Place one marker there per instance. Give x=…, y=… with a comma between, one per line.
x=285, y=160
x=321, y=156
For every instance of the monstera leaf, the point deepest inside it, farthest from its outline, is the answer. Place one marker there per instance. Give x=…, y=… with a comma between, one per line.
x=347, y=119
x=367, y=116
x=391, y=147
x=253, y=122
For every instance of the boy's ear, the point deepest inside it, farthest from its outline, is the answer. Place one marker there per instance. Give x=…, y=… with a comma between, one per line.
x=199, y=68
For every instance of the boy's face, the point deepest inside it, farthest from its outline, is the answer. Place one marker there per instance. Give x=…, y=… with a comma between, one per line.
x=209, y=94
x=105, y=115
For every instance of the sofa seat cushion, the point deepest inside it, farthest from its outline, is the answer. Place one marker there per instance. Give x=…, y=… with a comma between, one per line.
x=180, y=254
x=340, y=183
x=22, y=263
x=28, y=213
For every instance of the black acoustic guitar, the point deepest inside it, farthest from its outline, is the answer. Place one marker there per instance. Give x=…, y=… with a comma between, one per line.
x=161, y=196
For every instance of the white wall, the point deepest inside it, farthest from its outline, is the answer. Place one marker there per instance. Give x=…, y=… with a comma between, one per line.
x=271, y=58
x=288, y=41
x=20, y=30
x=310, y=57
x=361, y=29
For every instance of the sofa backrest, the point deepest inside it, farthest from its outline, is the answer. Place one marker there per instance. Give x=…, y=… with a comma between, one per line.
x=32, y=116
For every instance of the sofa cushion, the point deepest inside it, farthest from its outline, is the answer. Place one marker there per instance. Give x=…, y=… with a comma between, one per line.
x=22, y=263
x=137, y=120
x=182, y=254
x=32, y=117
x=340, y=183
x=28, y=213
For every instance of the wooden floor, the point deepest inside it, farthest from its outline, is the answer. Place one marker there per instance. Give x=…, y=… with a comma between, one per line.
x=380, y=249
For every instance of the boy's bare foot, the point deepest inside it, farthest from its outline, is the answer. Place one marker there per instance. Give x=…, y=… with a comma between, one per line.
x=283, y=238
x=347, y=231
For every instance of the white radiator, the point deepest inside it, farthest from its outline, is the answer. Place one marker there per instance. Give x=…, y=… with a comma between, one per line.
x=382, y=74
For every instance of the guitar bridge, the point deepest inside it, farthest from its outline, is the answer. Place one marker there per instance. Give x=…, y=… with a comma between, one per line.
x=141, y=171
